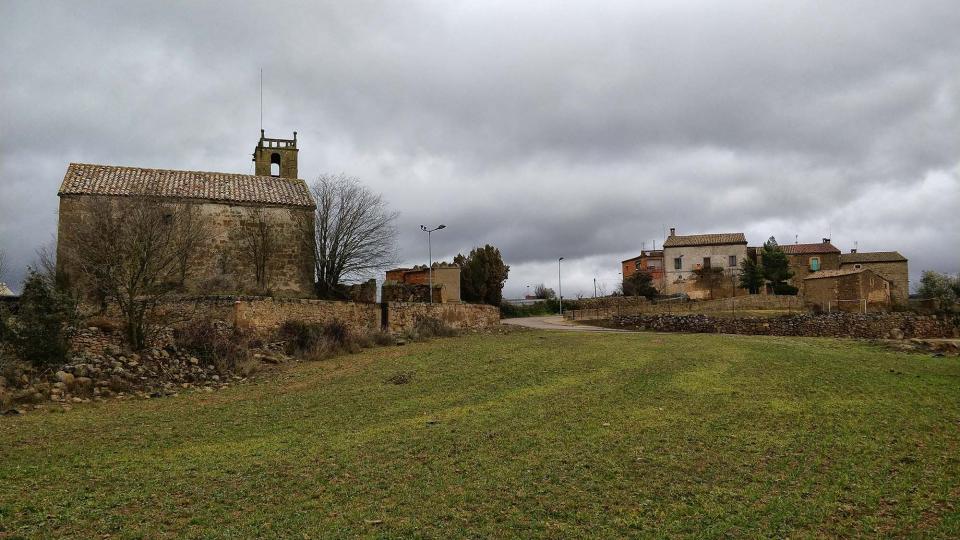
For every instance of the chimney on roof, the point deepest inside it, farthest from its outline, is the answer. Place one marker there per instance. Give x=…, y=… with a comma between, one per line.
x=826, y=240
x=673, y=231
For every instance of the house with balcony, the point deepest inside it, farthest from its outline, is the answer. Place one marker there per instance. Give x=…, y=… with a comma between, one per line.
x=703, y=266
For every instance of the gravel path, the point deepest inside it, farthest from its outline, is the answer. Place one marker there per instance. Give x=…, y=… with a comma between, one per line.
x=556, y=322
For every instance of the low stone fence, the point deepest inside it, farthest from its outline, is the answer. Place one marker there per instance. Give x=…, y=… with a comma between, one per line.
x=265, y=314
x=402, y=316
x=853, y=325
x=732, y=304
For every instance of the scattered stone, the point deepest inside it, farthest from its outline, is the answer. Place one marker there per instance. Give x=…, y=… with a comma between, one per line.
x=65, y=378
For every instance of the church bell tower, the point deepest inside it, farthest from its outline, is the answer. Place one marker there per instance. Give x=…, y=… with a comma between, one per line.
x=276, y=157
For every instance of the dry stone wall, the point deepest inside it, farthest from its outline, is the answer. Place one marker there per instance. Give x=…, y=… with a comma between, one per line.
x=853, y=325
x=403, y=316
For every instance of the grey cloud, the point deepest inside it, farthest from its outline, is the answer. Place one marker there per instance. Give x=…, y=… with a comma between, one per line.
x=545, y=129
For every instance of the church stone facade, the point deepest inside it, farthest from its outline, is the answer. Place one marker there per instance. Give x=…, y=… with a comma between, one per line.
x=228, y=203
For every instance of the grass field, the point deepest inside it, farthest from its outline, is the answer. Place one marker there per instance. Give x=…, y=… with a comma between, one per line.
x=529, y=434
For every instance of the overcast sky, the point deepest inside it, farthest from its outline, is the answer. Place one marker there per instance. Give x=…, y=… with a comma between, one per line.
x=551, y=129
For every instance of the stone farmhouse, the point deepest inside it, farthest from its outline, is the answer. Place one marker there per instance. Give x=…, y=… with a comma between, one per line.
x=889, y=264
x=807, y=259
x=685, y=256
x=229, y=202
x=834, y=276
x=649, y=261
x=851, y=289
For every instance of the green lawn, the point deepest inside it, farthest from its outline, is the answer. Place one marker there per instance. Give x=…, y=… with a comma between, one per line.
x=528, y=434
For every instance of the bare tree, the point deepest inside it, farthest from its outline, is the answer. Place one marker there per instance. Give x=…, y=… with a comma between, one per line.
x=193, y=231
x=257, y=242
x=542, y=291
x=129, y=250
x=354, y=233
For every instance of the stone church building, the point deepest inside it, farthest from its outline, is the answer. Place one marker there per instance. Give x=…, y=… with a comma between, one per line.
x=228, y=202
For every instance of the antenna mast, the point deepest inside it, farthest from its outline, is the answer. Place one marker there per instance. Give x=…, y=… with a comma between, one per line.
x=261, y=99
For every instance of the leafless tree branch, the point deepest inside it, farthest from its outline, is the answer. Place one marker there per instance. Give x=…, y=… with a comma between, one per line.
x=132, y=251
x=354, y=235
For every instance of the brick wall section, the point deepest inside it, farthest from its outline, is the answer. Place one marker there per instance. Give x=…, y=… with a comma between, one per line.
x=864, y=326
x=402, y=316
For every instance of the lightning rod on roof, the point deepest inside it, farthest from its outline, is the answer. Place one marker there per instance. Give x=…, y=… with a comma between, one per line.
x=261, y=100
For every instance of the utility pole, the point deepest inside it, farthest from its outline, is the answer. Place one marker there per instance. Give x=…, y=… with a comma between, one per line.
x=560, y=286
x=430, y=255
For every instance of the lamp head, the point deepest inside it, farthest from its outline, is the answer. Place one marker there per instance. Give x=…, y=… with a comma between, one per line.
x=441, y=227
x=423, y=228
x=560, y=259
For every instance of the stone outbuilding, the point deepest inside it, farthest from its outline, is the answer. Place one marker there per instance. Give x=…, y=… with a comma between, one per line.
x=807, y=259
x=686, y=258
x=850, y=289
x=889, y=264
x=274, y=197
x=413, y=284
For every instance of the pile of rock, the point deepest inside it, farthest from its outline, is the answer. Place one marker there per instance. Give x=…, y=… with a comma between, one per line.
x=114, y=374
x=936, y=347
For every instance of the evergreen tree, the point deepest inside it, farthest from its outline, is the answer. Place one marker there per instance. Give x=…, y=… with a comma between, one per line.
x=640, y=284
x=776, y=267
x=482, y=275
x=751, y=275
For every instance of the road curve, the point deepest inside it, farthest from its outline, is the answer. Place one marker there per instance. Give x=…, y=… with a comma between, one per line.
x=556, y=322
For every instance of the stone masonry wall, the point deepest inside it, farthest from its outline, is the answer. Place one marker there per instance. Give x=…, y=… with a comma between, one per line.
x=265, y=314
x=402, y=316
x=853, y=325
x=221, y=265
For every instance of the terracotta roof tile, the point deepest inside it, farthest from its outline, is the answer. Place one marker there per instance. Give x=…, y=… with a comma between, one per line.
x=87, y=179
x=876, y=256
x=801, y=249
x=705, y=240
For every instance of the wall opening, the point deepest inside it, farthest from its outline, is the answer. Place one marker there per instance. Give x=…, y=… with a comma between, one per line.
x=275, y=164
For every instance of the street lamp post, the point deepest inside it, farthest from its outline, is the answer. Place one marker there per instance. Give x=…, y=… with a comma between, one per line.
x=560, y=286
x=430, y=255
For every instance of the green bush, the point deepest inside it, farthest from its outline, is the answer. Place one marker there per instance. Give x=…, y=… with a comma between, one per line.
x=38, y=330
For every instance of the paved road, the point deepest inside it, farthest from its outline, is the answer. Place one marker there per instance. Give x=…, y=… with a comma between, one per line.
x=556, y=322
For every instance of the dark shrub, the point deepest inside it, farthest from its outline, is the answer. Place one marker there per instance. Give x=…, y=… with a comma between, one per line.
x=38, y=331
x=428, y=327
x=300, y=335
x=218, y=343
x=337, y=333
x=316, y=341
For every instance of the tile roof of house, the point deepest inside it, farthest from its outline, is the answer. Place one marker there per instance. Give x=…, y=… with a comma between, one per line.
x=802, y=249
x=5, y=291
x=650, y=254
x=87, y=179
x=876, y=256
x=705, y=240
x=837, y=273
